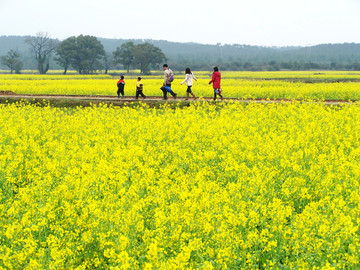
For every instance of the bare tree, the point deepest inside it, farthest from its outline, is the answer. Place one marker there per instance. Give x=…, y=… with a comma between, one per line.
x=43, y=47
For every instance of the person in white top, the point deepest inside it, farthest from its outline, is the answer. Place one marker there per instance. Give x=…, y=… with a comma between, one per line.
x=189, y=82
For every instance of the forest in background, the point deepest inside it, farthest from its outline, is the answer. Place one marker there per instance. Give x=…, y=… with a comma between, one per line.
x=228, y=57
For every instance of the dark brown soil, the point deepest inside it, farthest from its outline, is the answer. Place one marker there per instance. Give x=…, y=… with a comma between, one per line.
x=7, y=93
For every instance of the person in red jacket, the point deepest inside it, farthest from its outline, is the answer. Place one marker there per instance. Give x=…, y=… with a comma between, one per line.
x=216, y=79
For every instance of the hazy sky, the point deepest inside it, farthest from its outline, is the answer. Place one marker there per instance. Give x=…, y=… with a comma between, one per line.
x=255, y=22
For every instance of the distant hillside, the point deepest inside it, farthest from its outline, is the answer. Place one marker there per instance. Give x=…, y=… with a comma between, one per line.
x=202, y=53
x=231, y=57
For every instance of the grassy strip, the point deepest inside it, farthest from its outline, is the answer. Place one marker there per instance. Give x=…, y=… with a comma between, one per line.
x=73, y=103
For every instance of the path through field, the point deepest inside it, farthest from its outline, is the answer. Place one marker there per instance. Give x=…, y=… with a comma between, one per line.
x=115, y=100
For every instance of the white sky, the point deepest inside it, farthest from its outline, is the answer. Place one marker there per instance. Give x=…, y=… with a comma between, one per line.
x=254, y=22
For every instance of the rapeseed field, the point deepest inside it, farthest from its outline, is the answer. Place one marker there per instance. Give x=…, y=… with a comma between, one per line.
x=244, y=85
x=209, y=186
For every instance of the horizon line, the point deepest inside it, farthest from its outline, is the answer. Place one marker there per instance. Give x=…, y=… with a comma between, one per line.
x=199, y=43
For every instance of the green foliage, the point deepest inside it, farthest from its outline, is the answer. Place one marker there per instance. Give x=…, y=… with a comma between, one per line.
x=108, y=62
x=147, y=55
x=125, y=55
x=83, y=53
x=143, y=56
x=12, y=61
x=64, y=52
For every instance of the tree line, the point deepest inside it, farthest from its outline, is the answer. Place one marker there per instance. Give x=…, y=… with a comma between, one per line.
x=75, y=53
x=85, y=54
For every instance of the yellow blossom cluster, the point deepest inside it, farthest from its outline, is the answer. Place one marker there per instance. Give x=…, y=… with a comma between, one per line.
x=224, y=186
x=243, y=85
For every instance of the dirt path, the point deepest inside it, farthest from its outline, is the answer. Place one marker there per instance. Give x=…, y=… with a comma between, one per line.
x=115, y=99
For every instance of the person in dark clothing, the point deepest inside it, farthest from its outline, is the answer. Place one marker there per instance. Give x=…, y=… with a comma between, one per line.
x=139, y=88
x=121, y=86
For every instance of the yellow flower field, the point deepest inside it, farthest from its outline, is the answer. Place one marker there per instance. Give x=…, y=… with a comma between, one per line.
x=224, y=186
x=281, y=85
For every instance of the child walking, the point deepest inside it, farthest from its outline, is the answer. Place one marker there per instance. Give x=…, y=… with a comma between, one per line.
x=216, y=79
x=121, y=86
x=189, y=77
x=139, y=88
